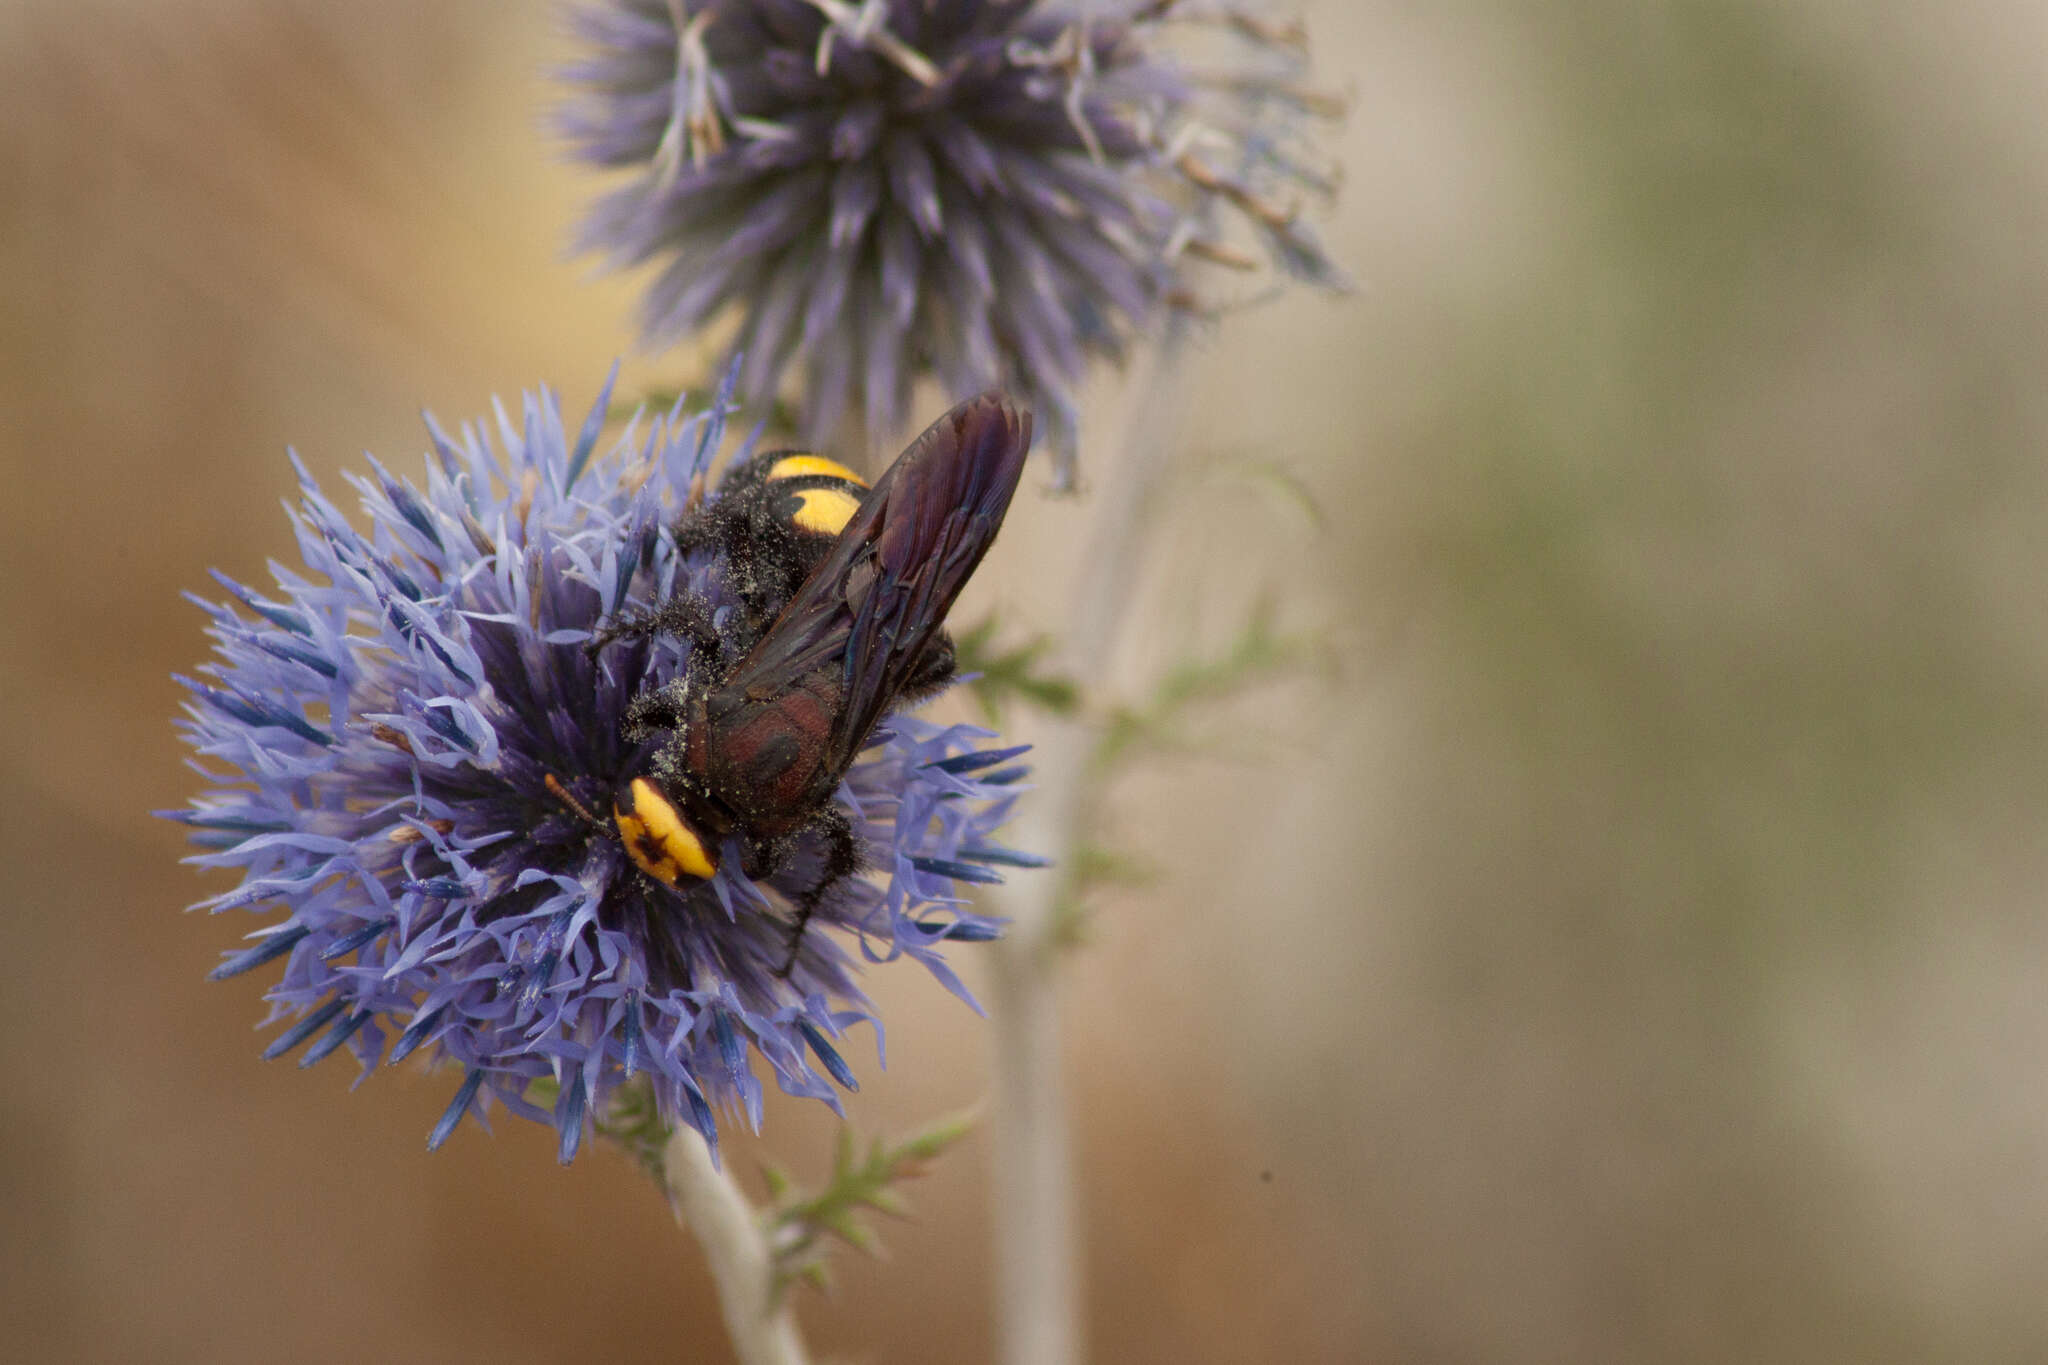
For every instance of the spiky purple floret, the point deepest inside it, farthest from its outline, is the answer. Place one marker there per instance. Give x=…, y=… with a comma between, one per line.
x=992, y=191
x=380, y=732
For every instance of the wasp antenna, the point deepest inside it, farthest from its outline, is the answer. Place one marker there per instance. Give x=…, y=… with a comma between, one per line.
x=568, y=798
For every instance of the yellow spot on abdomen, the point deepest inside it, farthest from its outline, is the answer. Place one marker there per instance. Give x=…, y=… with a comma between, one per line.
x=798, y=466
x=657, y=838
x=825, y=510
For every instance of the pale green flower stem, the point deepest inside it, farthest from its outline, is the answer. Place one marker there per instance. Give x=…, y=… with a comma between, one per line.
x=710, y=1205
x=1038, y=1297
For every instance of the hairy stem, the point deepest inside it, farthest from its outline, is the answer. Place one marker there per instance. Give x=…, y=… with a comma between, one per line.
x=707, y=1202
x=1038, y=1309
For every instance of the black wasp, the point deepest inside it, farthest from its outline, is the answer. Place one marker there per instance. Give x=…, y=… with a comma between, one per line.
x=843, y=592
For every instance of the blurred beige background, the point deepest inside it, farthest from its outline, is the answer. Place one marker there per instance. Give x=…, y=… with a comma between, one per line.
x=1633, y=952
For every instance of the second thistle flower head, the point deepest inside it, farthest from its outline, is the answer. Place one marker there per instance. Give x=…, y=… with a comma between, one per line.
x=991, y=191
x=405, y=740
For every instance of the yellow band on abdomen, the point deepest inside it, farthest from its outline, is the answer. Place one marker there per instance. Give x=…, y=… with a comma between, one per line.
x=657, y=838
x=825, y=510
x=798, y=466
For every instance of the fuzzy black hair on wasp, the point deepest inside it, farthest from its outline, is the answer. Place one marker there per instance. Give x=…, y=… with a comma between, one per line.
x=844, y=591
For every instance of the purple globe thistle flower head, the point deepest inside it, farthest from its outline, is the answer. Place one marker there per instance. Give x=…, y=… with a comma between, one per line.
x=389, y=734
x=994, y=192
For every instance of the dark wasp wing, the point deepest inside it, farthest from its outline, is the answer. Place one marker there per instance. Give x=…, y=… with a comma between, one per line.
x=880, y=596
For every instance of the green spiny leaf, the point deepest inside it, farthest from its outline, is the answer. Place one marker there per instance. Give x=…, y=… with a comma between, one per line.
x=936, y=1138
x=633, y=1120
x=1014, y=673
x=1258, y=654
x=1278, y=478
x=1091, y=867
x=1095, y=865
x=1162, y=723
x=798, y=1225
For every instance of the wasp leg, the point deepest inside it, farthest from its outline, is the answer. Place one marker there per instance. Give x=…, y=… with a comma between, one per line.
x=636, y=623
x=656, y=711
x=685, y=615
x=842, y=860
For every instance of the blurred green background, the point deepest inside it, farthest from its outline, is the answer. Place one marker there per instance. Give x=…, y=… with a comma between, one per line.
x=1631, y=953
